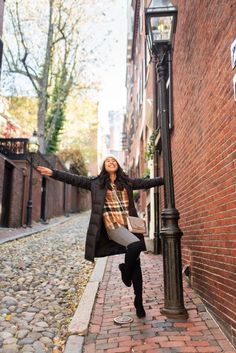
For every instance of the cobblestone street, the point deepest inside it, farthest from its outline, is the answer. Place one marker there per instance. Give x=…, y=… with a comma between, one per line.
x=42, y=278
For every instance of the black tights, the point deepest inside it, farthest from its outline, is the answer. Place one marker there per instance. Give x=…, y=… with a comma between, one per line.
x=132, y=254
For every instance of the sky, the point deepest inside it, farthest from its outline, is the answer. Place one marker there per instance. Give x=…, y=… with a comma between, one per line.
x=112, y=72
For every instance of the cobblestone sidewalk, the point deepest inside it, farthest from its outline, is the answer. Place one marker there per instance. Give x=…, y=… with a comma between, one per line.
x=42, y=278
x=7, y=234
x=154, y=334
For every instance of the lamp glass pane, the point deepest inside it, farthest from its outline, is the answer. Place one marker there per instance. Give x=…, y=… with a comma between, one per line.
x=33, y=144
x=162, y=28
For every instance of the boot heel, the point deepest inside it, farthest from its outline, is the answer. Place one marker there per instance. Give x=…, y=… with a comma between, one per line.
x=140, y=312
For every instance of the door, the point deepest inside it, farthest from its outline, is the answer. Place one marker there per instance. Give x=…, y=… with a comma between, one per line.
x=6, y=195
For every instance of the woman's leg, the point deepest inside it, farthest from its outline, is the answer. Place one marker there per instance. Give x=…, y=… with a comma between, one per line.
x=131, y=256
x=137, y=280
x=131, y=269
x=133, y=246
x=122, y=236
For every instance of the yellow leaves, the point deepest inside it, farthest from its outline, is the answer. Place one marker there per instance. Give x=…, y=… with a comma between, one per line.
x=24, y=110
x=8, y=317
x=57, y=341
x=80, y=129
x=56, y=350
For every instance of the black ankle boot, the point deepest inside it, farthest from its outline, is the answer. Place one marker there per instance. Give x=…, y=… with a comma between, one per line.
x=140, y=312
x=124, y=275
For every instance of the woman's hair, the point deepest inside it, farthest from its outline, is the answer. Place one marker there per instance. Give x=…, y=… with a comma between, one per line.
x=122, y=178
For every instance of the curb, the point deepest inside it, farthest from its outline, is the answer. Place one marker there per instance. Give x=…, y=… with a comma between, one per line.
x=35, y=231
x=78, y=327
x=74, y=344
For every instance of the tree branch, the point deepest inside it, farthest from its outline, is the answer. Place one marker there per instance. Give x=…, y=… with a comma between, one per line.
x=23, y=60
x=32, y=78
x=13, y=68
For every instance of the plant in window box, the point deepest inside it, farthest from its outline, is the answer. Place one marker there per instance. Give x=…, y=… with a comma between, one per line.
x=136, y=195
x=150, y=149
x=146, y=173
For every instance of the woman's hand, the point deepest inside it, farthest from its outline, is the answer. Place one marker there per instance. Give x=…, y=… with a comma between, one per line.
x=44, y=171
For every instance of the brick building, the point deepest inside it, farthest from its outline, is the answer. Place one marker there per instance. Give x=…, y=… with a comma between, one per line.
x=203, y=139
x=50, y=198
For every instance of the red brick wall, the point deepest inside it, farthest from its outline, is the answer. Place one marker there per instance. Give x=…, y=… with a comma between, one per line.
x=75, y=201
x=55, y=198
x=74, y=196
x=84, y=200
x=16, y=198
x=204, y=151
x=15, y=213
x=20, y=192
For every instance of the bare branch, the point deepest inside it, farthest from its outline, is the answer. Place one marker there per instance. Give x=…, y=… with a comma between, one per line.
x=60, y=27
x=19, y=38
x=13, y=67
x=23, y=60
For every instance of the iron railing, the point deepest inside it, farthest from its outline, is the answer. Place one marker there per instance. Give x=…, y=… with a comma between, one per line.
x=14, y=148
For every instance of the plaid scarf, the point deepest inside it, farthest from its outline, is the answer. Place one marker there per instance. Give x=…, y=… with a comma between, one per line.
x=115, y=210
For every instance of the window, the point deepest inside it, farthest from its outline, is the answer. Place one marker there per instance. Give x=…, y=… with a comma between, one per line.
x=147, y=59
x=168, y=86
x=141, y=17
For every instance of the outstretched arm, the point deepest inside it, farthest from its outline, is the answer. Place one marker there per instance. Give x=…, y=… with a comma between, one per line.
x=145, y=183
x=69, y=178
x=44, y=171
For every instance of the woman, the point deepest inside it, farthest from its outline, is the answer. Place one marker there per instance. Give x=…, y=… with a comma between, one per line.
x=112, y=201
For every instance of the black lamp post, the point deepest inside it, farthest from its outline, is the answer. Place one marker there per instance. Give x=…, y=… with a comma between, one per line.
x=33, y=147
x=161, y=19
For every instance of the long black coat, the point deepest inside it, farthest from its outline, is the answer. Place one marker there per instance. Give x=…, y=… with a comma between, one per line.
x=97, y=242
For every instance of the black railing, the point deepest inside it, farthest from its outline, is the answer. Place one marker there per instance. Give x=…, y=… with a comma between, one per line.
x=14, y=148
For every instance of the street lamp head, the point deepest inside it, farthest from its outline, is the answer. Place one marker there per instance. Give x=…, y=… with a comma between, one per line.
x=161, y=19
x=67, y=164
x=33, y=144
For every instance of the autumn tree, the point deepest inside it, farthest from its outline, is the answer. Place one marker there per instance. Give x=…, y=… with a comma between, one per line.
x=44, y=45
x=24, y=110
x=74, y=160
x=81, y=129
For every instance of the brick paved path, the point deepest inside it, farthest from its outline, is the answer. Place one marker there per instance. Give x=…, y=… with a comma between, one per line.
x=154, y=334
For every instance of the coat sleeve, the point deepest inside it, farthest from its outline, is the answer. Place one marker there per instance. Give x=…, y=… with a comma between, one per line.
x=145, y=183
x=73, y=179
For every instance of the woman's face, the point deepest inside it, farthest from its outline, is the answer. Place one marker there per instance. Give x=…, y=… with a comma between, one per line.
x=111, y=165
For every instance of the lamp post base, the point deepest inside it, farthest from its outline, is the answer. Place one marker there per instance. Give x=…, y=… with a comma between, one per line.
x=175, y=314
x=29, y=214
x=172, y=266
